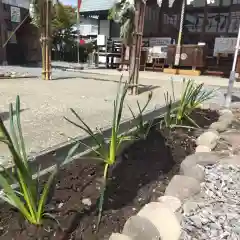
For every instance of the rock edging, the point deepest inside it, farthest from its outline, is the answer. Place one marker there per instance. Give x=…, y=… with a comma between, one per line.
x=161, y=220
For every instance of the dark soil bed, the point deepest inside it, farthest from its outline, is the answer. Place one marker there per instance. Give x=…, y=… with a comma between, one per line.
x=141, y=176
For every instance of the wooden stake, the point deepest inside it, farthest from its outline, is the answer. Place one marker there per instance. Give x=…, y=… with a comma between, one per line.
x=48, y=39
x=43, y=37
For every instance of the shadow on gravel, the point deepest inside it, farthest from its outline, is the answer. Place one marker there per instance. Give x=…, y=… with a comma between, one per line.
x=5, y=115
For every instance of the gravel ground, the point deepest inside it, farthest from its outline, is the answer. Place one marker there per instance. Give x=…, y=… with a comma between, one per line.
x=218, y=213
x=45, y=103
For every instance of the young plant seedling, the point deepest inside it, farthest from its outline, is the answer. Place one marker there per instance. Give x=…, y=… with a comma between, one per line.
x=142, y=127
x=193, y=96
x=106, y=149
x=29, y=199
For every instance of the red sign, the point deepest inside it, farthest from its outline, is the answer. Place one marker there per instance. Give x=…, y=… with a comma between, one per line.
x=82, y=42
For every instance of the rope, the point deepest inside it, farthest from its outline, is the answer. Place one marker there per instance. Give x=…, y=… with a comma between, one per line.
x=19, y=25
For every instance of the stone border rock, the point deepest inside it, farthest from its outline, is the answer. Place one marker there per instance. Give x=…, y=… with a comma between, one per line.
x=161, y=219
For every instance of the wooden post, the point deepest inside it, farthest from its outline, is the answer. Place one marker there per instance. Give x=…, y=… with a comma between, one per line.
x=48, y=39
x=139, y=44
x=43, y=36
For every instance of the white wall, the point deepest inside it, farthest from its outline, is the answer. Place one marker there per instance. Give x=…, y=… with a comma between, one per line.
x=18, y=3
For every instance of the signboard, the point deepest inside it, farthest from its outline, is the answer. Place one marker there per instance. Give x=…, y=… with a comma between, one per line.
x=15, y=14
x=161, y=41
x=101, y=40
x=224, y=45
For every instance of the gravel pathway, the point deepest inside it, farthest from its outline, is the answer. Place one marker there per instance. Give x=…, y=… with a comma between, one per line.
x=217, y=215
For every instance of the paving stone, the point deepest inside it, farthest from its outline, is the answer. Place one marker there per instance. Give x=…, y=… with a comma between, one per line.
x=220, y=126
x=163, y=218
x=182, y=187
x=200, y=158
x=173, y=203
x=201, y=148
x=226, y=117
x=196, y=172
x=208, y=139
x=140, y=228
x=118, y=236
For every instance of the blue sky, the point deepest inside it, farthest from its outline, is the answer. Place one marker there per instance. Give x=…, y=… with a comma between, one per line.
x=71, y=2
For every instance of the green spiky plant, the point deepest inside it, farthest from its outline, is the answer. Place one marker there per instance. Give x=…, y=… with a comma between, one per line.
x=143, y=128
x=106, y=149
x=193, y=96
x=28, y=199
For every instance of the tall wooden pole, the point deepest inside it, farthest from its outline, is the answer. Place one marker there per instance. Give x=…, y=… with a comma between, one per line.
x=48, y=39
x=142, y=8
x=43, y=36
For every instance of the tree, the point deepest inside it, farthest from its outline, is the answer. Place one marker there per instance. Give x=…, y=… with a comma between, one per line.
x=54, y=21
x=62, y=22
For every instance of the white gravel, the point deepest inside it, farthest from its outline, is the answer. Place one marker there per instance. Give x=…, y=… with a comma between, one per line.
x=218, y=215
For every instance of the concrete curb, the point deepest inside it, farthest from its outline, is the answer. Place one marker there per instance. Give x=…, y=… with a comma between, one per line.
x=153, y=219
x=48, y=158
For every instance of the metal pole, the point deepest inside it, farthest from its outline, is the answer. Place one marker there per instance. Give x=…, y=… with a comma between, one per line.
x=178, y=48
x=78, y=30
x=232, y=77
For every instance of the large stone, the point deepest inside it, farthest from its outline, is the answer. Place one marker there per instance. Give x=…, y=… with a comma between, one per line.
x=208, y=139
x=163, y=219
x=224, y=111
x=173, y=203
x=200, y=149
x=140, y=228
x=232, y=137
x=226, y=117
x=196, y=172
x=182, y=187
x=203, y=159
x=220, y=126
x=118, y=236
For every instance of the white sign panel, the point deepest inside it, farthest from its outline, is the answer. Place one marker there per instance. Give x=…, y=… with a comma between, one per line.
x=101, y=40
x=224, y=45
x=159, y=41
x=15, y=14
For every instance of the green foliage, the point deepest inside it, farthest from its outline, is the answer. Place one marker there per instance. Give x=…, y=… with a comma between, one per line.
x=123, y=12
x=106, y=149
x=29, y=199
x=193, y=96
x=64, y=18
x=143, y=128
x=35, y=11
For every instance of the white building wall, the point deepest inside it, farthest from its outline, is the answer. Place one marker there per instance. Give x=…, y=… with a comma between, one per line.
x=18, y=3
